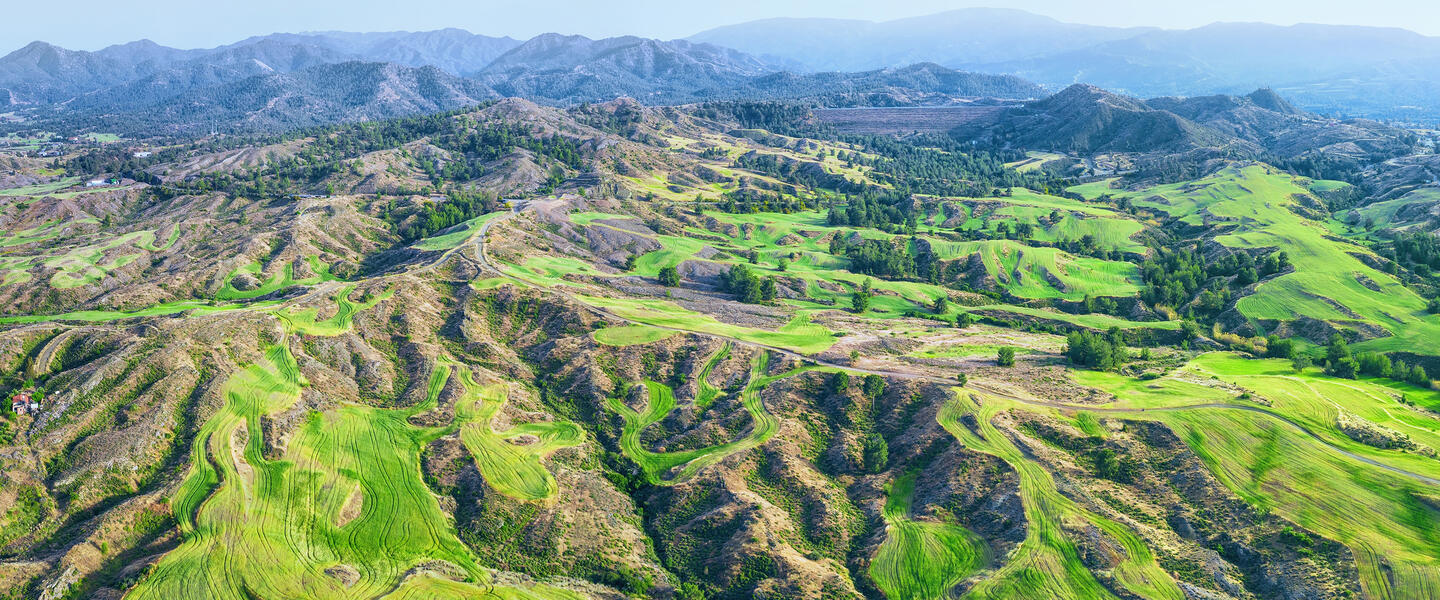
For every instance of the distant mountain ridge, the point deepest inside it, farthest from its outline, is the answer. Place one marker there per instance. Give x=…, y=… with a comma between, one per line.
x=270, y=82
x=1361, y=71
x=1086, y=119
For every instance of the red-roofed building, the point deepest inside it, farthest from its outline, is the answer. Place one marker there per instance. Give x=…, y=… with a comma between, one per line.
x=20, y=402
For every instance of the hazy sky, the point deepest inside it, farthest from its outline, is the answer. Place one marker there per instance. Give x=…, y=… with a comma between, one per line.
x=93, y=24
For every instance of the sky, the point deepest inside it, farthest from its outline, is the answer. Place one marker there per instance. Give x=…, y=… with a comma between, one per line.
x=94, y=24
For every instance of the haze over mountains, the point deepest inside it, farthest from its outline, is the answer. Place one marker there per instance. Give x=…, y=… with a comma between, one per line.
x=1361, y=71
x=288, y=80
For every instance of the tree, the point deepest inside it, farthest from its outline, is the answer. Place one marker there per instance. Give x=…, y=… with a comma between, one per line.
x=669, y=276
x=630, y=262
x=839, y=383
x=941, y=306
x=1337, y=350
x=964, y=320
x=1005, y=357
x=962, y=379
x=1300, y=363
x=1189, y=329
x=1434, y=306
x=767, y=289
x=1419, y=377
x=860, y=301
x=874, y=386
x=876, y=453
x=781, y=265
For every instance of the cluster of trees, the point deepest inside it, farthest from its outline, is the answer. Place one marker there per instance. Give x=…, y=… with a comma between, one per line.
x=879, y=208
x=669, y=276
x=431, y=218
x=333, y=150
x=776, y=117
x=747, y=287
x=1175, y=277
x=889, y=259
x=944, y=166
x=860, y=298
x=751, y=201
x=1340, y=362
x=1103, y=352
x=1419, y=251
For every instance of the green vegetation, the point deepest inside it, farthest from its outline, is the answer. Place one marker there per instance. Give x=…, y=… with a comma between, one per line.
x=1047, y=563
x=459, y=234
x=673, y=467
x=308, y=322
x=798, y=335
x=922, y=560
x=41, y=189
x=1382, y=516
x=1328, y=281
x=169, y=308
x=510, y=461
x=631, y=335
x=279, y=281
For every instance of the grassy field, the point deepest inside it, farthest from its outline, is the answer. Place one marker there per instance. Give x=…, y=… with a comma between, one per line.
x=511, y=460
x=279, y=281
x=456, y=235
x=1328, y=283
x=345, y=497
x=308, y=322
x=1047, y=564
x=89, y=264
x=1390, y=522
x=922, y=560
x=631, y=335
x=41, y=189
x=169, y=308
x=799, y=335
x=668, y=468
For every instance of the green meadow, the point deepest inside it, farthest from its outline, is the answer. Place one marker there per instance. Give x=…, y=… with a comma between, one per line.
x=1328, y=283
x=1047, y=563
x=922, y=560
x=1389, y=521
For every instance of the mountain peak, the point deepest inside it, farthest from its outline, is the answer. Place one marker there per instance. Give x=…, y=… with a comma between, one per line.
x=1267, y=98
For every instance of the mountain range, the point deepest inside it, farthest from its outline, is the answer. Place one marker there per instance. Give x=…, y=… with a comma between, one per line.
x=1352, y=70
x=294, y=79
x=287, y=80
x=1086, y=119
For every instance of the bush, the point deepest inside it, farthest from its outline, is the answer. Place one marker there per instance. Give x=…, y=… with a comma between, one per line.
x=1005, y=357
x=669, y=276
x=860, y=301
x=962, y=379
x=874, y=386
x=1096, y=351
x=1434, y=306
x=876, y=453
x=964, y=320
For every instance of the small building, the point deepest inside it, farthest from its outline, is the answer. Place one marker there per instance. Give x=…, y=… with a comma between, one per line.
x=21, y=403
x=141, y=154
x=97, y=183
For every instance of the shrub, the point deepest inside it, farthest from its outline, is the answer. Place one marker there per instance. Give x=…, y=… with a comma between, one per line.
x=1005, y=357
x=669, y=276
x=876, y=453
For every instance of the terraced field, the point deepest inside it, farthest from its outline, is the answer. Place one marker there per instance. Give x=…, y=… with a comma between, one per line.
x=510, y=460
x=922, y=560
x=1389, y=521
x=1047, y=563
x=669, y=468
x=279, y=281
